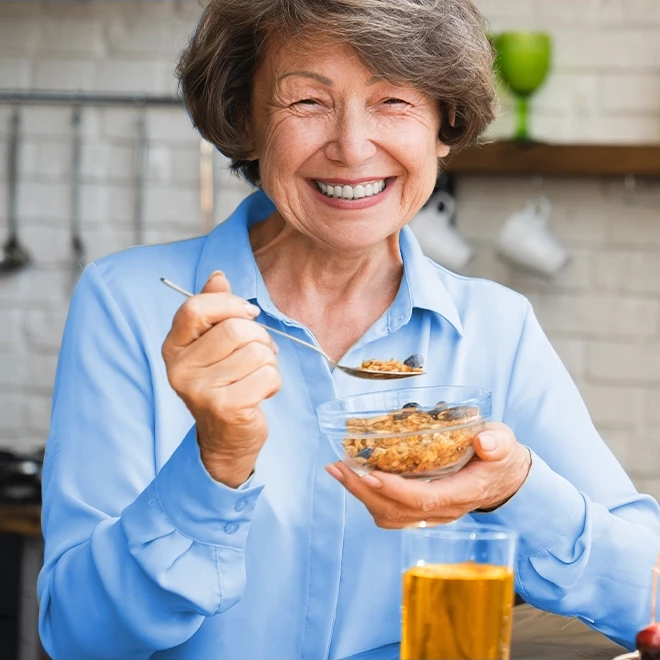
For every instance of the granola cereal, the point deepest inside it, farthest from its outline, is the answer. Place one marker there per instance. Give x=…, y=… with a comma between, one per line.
x=423, y=441
x=389, y=365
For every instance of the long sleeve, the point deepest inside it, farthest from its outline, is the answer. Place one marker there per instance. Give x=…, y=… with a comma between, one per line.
x=135, y=559
x=588, y=540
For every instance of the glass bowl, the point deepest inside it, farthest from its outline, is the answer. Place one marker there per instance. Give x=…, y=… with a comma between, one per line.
x=417, y=433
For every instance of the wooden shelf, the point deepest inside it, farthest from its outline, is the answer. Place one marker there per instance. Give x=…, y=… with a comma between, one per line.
x=542, y=159
x=24, y=519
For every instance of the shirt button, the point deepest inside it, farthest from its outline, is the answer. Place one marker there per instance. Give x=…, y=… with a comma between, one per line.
x=241, y=504
x=231, y=528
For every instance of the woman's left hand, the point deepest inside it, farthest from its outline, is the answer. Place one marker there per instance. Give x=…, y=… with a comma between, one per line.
x=497, y=472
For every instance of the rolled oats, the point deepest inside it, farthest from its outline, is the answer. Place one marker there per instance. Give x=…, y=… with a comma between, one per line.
x=412, y=441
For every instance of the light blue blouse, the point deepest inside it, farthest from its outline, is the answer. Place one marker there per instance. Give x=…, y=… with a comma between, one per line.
x=147, y=556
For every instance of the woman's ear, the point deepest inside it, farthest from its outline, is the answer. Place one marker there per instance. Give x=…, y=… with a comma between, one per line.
x=442, y=148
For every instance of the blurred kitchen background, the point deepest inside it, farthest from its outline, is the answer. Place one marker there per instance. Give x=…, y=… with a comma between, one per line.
x=142, y=176
x=602, y=310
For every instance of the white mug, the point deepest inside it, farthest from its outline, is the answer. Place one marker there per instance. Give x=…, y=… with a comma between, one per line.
x=525, y=239
x=437, y=236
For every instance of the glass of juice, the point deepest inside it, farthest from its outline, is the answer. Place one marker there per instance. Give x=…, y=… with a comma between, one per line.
x=458, y=592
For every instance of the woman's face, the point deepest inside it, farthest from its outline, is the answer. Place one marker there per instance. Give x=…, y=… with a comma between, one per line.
x=347, y=158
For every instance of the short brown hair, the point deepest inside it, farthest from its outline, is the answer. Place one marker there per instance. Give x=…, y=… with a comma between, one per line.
x=437, y=46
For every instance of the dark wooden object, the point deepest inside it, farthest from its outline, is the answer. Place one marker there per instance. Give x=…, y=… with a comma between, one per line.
x=507, y=158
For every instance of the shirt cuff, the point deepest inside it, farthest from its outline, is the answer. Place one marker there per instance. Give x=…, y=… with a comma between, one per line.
x=200, y=507
x=545, y=508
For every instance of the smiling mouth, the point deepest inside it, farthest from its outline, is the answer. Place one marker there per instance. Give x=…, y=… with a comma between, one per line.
x=347, y=192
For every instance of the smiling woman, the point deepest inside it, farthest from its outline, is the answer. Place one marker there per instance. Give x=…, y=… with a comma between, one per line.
x=192, y=508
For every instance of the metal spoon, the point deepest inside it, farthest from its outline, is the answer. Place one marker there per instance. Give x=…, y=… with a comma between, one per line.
x=358, y=372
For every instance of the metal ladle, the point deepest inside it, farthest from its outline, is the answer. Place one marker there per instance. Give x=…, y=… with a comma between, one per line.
x=15, y=255
x=358, y=372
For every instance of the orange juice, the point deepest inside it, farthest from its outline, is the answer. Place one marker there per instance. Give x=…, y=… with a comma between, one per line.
x=457, y=612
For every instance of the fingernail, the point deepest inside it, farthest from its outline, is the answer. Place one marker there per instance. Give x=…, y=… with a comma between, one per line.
x=251, y=309
x=372, y=481
x=334, y=472
x=216, y=273
x=488, y=441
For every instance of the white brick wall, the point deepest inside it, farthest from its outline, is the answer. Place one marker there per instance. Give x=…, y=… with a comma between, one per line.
x=602, y=313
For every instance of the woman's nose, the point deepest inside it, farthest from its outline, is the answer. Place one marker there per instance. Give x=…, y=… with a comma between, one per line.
x=352, y=142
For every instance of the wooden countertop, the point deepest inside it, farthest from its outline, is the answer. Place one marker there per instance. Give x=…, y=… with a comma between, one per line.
x=22, y=519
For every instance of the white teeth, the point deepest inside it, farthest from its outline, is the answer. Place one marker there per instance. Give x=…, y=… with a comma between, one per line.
x=352, y=192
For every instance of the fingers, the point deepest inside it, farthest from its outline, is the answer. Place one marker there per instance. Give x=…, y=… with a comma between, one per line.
x=217, y=283
x=200, y=313
x=495, y=443
x=387, y=513
x=224, y=339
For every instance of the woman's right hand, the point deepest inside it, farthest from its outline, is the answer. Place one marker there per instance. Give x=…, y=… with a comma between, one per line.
x=223, y=366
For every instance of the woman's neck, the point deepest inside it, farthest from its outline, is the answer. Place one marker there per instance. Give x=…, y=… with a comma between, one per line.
x=337, y=296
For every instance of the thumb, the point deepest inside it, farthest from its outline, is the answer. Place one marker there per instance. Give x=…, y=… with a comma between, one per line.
x=217, y=283
x=495, y=443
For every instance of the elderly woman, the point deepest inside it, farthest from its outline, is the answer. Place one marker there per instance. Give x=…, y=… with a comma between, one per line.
x=191, y=513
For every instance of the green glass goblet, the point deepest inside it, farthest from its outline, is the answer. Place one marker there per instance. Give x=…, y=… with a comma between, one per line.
x=523, y=63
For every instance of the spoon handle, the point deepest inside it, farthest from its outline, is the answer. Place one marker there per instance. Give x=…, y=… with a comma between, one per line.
x=263, y=325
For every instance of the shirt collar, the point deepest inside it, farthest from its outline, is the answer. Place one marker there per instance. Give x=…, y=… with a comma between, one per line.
x=227, y=248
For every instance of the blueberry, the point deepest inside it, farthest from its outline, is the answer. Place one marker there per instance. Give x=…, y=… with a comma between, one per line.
x=441, y=405
x=365, y=453
x=415, y=361
x=457, y=413
x=412, y=404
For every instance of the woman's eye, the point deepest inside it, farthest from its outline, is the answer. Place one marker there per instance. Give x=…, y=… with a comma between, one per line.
x=395, y=101
x=306, y=102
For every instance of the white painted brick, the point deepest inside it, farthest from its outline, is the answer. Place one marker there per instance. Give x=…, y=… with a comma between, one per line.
x=100, y=244
x=134, y=77
x=17, y=35
x=164, y=204
x=625, y=362
x=46, y=121
x=598, y=315
x=629, y=93
x=142, y=35
x=37, y=414
x=15, y=72
x=71, y=36
x=40, y=371
x=652, y=411
x=11, y=413
x=487, y=266
x=119, y=124
x=633, y=225
x=570, y=12
x=50, y=289
x=43, y=328
x=568, y=92
x=49, y=245
x=629, y=13
x=64, y=75
x=44, y=201
x=576, y=274
x=45, y=160
x=573, y=353
x=606, y=50
x=172, y=125
x=12, y=368
x=614, y=407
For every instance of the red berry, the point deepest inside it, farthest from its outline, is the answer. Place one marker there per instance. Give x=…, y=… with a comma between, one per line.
x=648, y=642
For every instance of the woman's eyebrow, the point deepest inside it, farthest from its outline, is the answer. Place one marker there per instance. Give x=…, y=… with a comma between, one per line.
x=307, y=74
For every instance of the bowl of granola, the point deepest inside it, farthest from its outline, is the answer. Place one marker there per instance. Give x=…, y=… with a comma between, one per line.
x=417, y=433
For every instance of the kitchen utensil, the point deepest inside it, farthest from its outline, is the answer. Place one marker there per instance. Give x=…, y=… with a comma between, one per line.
x=15, y=255
x=523, y=62
x=351, y=371
x=77, y=244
